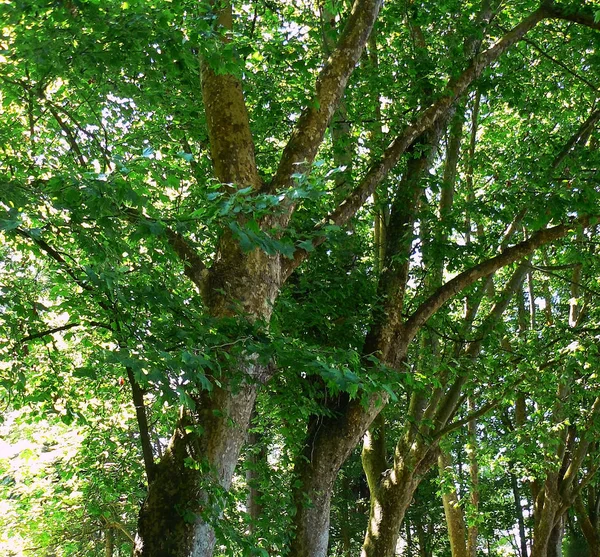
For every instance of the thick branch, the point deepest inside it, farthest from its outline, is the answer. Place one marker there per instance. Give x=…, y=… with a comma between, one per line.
x=231, y=144
x=308, y=135
x=468, y=277
x=582, y=17
x=373, y=454
x=455, y=88
x=590, y=533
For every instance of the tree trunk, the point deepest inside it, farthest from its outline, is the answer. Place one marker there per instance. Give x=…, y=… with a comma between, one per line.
x=329, y=443
x=345, y=527
x=391, y=495
x=546, y=509
x=473, y=531
x=392, y=501
x=183, y=499
x=556, y=538
x=256, y=460
x=109, y=542
x=424, y=545
x=454, y=514
x=519, y=513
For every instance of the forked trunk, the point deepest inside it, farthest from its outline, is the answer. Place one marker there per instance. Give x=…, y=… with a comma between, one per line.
x=391, y=501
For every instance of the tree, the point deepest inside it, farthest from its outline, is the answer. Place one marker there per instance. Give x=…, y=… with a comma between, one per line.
x=173, y=217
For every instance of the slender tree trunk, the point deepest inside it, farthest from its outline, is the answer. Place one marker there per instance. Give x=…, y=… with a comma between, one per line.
x=519, y=513
x=409, y=540
x=472, y=530
x=256, y=460
x=454, y=513
x=109, y=542
x=422, y=538
x=345, y=530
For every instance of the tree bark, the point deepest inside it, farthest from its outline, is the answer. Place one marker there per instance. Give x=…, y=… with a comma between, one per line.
x=544, y=526
x=556, y=538
x=184, y=498
x=328, y=445
x=457, y=531
x=392, y=495
x=589, y=529
x=109, y=542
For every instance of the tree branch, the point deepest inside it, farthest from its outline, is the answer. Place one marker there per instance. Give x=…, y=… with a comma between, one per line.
x=231, y=143
x=583, y=16
x=112, y=523
x=468, y=277
x=66, y=327
x=70, y=136
x=44, y=246
x=562, y=65
x=329, y=89
x=581, y=132
x=452, y=401
x=581, y=450
x=142, y=420
x=194, y=266
x=464, y=421
x=473, y=415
